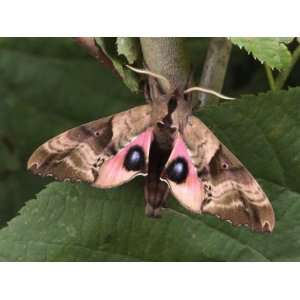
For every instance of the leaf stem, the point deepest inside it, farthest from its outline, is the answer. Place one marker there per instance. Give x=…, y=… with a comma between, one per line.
x=90, y=44
x=283, y=76
x=270, y=77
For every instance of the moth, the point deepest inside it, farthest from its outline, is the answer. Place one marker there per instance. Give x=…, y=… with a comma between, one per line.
x=173, y=149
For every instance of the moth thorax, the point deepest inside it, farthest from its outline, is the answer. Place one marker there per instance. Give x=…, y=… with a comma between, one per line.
x=164, y=138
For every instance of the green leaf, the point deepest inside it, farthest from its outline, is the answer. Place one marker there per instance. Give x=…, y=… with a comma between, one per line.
x=9, y=161
x=42, y=94
x=75, y=222
x=109, y=47
x=15, y=189
x=271, y=51
x=129, y=47
x=61, y=48
x=44, y=106
x=286, y=40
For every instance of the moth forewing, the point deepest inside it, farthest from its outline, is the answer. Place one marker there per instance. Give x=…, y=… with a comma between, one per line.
x=231, y=192
x=79, y=153
x=71, y=155
x=200, y=142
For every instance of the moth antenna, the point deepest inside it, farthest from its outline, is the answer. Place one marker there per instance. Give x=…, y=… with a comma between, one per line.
x=208, y=91
x=155, y=75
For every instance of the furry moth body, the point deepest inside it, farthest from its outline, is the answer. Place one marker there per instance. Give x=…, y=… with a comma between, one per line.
x=172, y=148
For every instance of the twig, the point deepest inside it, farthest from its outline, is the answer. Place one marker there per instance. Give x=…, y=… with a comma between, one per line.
x=283, y=76
x=270, y=78
x=90, y=44
x=214, y=69
x=166, y=56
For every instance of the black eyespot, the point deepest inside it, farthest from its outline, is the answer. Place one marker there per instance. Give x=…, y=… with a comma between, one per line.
x=177, y=171
x=135, y=159
x=225, y=165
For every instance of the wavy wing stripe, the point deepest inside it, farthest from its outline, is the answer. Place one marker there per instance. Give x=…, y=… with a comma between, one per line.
x=78, y=153
x=231, y=192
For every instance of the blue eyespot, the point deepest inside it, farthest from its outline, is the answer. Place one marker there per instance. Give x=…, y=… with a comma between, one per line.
x=135, y=159
x=177, y=171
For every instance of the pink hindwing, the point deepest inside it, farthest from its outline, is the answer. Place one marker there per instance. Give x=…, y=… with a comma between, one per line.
x=181, y=176
x=129, y=162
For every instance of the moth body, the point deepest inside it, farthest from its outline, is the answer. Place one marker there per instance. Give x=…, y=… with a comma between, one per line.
x=175, y=152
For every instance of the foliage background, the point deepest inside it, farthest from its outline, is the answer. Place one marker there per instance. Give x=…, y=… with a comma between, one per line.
x=49, y=85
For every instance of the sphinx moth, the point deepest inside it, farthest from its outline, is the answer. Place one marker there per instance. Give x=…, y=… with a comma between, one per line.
x=173, y=149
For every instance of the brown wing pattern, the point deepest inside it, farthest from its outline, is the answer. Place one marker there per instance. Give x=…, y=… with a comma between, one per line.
x=231, y=192
x=78, y=153
x=200, y=141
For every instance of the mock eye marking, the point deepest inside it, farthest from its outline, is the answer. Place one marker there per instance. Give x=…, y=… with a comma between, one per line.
x=225, y=165
x=177, y=171
x=135, y=159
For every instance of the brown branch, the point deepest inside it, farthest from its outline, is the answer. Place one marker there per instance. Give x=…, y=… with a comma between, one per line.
x=89, y=43
x=166, y=56
x=214, y=69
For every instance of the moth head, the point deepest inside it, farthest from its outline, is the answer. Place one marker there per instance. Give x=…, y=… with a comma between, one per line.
x=172, y=105
x=169, y=109
x=177, y=113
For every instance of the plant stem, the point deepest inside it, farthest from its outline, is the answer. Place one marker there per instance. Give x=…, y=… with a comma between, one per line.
x=167, y=57
x=283, y=76
x=270, y=78
x=214, y=69
x=90, y=44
